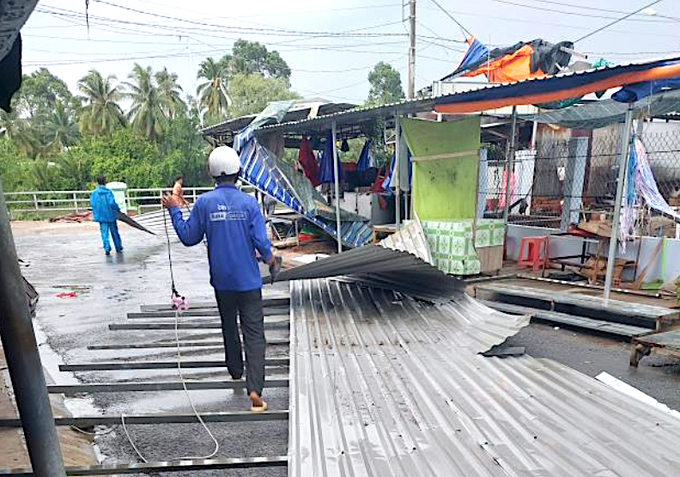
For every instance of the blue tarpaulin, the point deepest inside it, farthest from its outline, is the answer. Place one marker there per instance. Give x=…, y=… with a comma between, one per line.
x=263, y=171
x=476, y=52
x=364, y=161
x=326, y=166
x=636, y=91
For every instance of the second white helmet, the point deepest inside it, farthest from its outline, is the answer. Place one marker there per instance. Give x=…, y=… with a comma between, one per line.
x=223, y=161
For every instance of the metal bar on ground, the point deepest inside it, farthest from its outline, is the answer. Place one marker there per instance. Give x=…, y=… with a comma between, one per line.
x=623, y=166
x=336, y=180
x=163, y=466
x=159, y=386
x=268, y=311
x=106, y=420
x=122, y=366
x=187, y=326
x=183, y=344
x=284, y=301
x=23, y=359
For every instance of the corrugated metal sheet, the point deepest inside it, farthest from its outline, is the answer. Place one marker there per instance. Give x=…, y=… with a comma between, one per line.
x=276, y=179
x=386, y=268
x=411, y=238
x=383, y=386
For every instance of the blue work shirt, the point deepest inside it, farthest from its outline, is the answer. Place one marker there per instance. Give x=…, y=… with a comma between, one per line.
x=233, y=224
x=104, y=205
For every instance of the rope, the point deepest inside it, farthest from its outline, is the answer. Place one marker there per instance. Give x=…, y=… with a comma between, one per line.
x=167, y=238
x=179, y=304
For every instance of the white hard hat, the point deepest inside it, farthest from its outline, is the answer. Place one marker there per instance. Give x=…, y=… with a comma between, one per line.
x=223, y=161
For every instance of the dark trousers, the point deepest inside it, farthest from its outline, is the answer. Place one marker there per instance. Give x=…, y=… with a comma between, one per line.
x=248, y=306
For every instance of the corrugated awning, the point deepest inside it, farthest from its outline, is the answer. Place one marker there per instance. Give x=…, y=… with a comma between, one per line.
x=605, y=112
x=557, y=88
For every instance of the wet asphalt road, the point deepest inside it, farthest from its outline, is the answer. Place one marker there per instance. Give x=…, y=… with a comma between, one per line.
x=109, y=287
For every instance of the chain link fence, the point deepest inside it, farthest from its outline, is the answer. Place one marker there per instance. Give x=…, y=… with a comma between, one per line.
x=565, y=181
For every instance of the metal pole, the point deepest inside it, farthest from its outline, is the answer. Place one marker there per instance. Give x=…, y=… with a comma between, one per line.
x=336, y=173
x=23, y=360
x=397, y=167
x=623, y=166
x=509, y=166
x=411, y=93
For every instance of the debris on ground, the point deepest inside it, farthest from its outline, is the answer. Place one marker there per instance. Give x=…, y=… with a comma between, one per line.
x=74, y=217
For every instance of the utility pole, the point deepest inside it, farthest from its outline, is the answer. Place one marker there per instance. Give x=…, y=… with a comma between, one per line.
x=23, y=360
x=411, y=93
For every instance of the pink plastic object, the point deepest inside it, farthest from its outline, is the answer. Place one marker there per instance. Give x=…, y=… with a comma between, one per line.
x=179, y=303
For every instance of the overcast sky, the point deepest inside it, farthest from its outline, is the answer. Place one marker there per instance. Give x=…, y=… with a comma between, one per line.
x=179, y=34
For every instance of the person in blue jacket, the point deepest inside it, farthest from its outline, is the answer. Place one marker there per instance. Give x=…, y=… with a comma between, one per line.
x=235, y=231
x=104, y=210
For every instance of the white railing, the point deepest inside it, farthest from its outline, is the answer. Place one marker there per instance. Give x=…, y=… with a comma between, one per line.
x=65, y=201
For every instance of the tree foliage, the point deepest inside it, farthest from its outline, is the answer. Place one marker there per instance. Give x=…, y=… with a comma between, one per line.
x=385, y=84
x=251, y=93
x=220, y=99
x=102, y=113
x=212, y=93
x=146, y=115
x=143, y=131
x=251, y=57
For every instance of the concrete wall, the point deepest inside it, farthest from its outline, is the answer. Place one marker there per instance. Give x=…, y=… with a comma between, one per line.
x=560, y=246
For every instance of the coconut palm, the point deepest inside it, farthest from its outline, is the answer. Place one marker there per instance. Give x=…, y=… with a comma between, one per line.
x=146, y=114
x=18, y=130
x=169, y=92
x=61, y=130
x=101, y=113
x=212, y=93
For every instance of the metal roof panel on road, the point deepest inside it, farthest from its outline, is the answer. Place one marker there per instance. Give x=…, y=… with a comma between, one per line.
x=386, y=386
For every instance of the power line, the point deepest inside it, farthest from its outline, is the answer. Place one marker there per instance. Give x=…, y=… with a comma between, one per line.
x=222, y=27
x=64, y=13
x=464, y=30
x=437, y=37
x=296, y=13
x=579, y=14
x=617, y=21
x=543, y=23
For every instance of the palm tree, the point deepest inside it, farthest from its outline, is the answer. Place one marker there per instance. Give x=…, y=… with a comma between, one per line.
x=60, y=129
x=102, y=113
x=146, y=114
x=212, y=93
x=18, y=130
x=169, y=93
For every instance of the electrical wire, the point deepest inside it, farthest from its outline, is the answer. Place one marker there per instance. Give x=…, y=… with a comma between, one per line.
x=617, y=21
x=56, y=11
x=579, y=14
x=464, y=30
x=511, y=19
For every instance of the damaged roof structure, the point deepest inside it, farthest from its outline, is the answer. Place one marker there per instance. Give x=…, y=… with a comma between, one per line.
x=385, y=384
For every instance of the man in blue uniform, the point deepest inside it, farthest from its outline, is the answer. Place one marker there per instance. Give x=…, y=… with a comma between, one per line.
x=104, y=210
x=235, y=230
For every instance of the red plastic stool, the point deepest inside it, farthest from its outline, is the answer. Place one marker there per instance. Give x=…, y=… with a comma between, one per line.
x=533, y=252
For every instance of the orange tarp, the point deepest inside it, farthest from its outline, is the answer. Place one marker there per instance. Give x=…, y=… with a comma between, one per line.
x=477, y=105
x=510, y=68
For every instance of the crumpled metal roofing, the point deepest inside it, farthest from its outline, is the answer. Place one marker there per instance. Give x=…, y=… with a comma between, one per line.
x=273, y=177
x=386, y=386
x=410, y=238
x=383, y=267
